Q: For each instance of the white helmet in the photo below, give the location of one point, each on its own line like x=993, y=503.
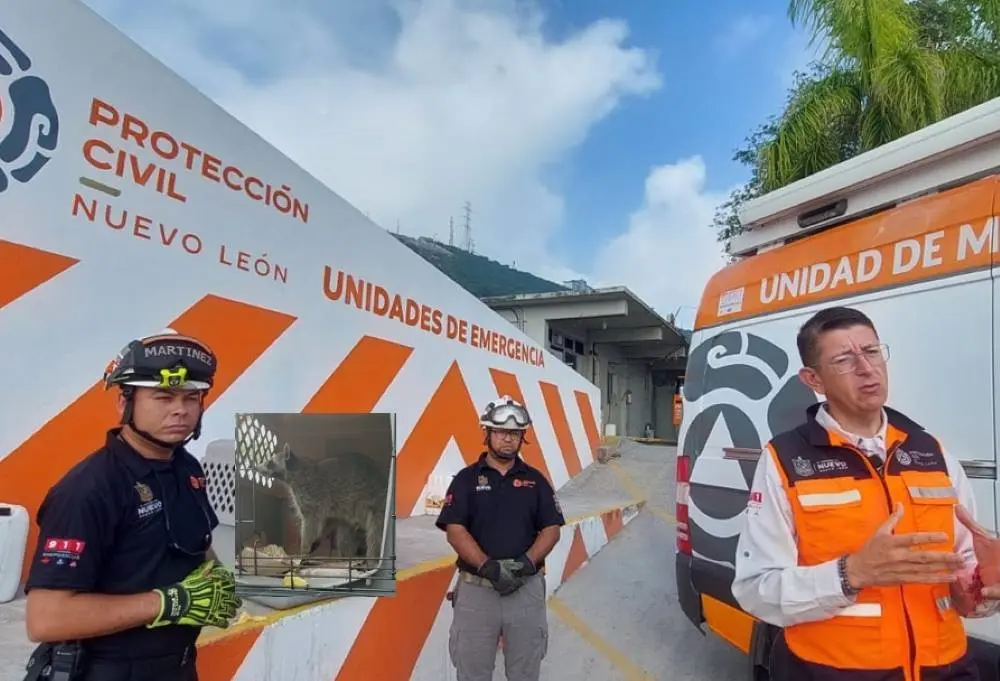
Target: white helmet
x=505, y=413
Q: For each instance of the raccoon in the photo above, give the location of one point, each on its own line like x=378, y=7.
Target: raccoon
x=341, y=497
x=345, y=540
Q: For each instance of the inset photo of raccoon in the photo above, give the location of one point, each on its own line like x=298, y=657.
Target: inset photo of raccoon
x=320, y=485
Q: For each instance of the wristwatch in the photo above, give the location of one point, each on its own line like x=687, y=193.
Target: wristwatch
x=845, y=585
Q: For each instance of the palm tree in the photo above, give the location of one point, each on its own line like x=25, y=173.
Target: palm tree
x=886, y=71
x=966, y=36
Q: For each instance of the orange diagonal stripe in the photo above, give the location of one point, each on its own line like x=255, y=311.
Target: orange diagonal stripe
x=406, y=619
x=221, y=659
x=507, y=384
x=557, y=415
x=612, y=523
x=25, y=268
x=238, y=333
x=362, y=377
x=449, y=413
x=589, y=425
x=577, y=555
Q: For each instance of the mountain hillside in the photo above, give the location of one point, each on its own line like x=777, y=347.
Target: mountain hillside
x=477, y=274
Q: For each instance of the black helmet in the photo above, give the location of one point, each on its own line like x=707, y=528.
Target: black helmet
x=165, y=360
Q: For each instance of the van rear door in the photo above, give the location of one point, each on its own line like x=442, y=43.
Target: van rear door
x=977, y=237
x=984, y=476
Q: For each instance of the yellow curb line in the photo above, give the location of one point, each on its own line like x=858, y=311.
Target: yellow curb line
x=630, y=671
x=633, y=488
x=246, y=621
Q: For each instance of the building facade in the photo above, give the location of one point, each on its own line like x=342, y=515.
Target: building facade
x=633, y=354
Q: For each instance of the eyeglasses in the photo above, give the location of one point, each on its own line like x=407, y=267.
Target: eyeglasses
x=849, y=362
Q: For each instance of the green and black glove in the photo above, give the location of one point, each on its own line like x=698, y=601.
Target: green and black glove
x=503, y=574
x=206, y=597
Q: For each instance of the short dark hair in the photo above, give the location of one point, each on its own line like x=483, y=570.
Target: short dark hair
x=827, y=319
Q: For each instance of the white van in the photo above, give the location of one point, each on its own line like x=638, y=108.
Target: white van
x=908, y=234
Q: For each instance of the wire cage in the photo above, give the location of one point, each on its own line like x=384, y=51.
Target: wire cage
x=268, y=569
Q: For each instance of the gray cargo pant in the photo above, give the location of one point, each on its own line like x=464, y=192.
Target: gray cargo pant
x=481, y=616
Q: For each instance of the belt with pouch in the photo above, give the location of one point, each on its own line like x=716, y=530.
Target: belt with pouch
x=55, y=662
x=68, y=662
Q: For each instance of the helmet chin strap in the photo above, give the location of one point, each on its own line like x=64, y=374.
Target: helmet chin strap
x=128, y=420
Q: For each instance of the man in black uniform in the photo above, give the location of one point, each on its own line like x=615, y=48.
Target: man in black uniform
x=123, y=576
x=502, y=519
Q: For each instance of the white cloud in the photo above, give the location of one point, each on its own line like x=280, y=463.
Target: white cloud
x=668, y=251
x=408, y=109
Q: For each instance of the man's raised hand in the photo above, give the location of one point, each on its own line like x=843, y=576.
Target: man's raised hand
x=889, y=559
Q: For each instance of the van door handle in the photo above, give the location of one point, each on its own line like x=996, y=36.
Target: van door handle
x=741, y=453
x=980, y=469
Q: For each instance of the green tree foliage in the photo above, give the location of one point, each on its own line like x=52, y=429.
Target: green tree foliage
x=888, y=68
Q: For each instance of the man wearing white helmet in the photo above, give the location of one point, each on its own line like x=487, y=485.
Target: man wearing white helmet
x=502, y=518
x=123, y=576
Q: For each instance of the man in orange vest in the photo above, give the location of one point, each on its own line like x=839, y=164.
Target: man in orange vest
x=850, y=542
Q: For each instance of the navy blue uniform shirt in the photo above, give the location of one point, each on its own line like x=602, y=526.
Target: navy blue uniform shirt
x=503, y=513
x=118, y=523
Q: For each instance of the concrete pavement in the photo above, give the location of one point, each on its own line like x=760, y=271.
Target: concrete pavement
x=617, y=618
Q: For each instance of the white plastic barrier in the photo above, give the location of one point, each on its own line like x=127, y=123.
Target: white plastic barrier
x=13, y=542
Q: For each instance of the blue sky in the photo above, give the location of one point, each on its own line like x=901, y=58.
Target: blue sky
x=726, y=69
x=593, y=138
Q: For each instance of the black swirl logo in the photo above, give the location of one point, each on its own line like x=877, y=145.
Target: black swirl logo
x=29, y=123
x=714, y=367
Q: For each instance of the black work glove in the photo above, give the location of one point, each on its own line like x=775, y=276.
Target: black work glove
x=528, y=567
x=502, y=575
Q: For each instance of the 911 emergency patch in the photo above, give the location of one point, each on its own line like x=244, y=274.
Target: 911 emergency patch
x=62, y=551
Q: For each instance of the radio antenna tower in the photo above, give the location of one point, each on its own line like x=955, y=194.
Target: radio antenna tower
x=468, y=227
x=451, y=231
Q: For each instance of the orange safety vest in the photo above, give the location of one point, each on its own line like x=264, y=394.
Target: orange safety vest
x=838, y=500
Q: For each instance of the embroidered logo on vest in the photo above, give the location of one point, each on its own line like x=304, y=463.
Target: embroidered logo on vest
x=803, y=466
